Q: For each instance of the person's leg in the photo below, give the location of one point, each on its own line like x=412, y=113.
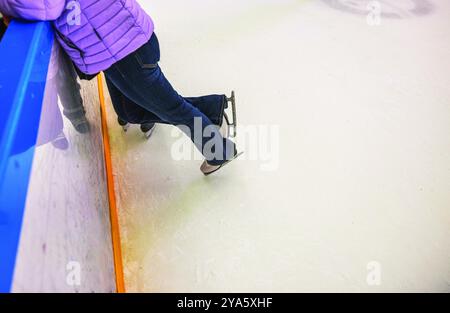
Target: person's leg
x=213, y=106
x=140, y=79
x=121, y=105
x=129, y=112
x=69, y=91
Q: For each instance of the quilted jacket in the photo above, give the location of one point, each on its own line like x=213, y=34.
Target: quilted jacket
x=94, y=33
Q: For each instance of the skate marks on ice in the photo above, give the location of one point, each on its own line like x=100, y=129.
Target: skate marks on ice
x=399, y=9
x=160, y=205
x=163, y=231
x=159, y=236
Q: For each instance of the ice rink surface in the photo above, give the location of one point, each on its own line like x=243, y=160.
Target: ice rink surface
x=349, y=174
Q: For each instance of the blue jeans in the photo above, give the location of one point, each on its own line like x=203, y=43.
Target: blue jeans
x=141, y=94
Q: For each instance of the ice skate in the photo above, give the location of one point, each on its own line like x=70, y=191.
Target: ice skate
x=228, y=128
x=208, y=169
x=148, y=129
x=125, y=125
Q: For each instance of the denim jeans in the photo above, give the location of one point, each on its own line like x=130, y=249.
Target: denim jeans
x=141, y=94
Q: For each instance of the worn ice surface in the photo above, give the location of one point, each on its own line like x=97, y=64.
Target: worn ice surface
x=363, y=114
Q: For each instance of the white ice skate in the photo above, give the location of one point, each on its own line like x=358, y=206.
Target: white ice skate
x=125, y=125
x=208, y=169
x=148, y=129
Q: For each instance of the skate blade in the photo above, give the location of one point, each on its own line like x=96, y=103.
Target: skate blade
x=224, y=164
x=225, y=128
x=232, y=125
x=148, y=134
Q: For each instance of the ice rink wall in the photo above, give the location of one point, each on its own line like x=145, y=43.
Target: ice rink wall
x=55, y=230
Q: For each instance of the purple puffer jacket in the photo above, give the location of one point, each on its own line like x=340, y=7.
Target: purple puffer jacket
x=94, y=33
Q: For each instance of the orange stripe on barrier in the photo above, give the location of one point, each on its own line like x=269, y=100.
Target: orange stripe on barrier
x=115, y=230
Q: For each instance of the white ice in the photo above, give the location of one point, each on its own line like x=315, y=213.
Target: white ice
x=358, y=180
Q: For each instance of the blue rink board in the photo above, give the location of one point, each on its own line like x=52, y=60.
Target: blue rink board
x=25, y=52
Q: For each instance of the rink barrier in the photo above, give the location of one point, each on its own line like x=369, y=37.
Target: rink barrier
x=25, y=52
x=114, y=217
